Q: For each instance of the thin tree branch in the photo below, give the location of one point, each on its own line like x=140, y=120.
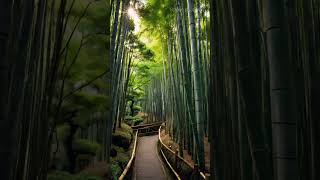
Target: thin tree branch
x=68, y=15
x=75, y=27
x=85, y=85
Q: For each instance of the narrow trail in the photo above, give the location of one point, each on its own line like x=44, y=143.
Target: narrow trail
x=148, y=164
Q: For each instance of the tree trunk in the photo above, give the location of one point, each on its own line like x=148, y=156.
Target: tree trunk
x=114, y=34
x=284, y=120
x=197, y=85
x=249, y=78
x=5, y=124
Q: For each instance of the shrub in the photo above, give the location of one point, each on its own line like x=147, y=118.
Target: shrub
x=121, y=139
x=137, y=120
x=122, y=159
x=86, y=146
x=125, y=127
x=115, y=170
x=128, y=119
x=137, y=108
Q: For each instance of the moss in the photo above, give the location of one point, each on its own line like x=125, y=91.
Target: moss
x=122, y=139
x=137, y=120
x=118, y=149
x=124, y=134
x=125, y=127
x=86, y=146
x=122, y=159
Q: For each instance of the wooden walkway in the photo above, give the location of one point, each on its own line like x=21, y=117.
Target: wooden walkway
x=148, y=164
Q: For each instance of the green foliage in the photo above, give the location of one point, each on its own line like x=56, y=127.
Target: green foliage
x=119, y=162
x=122, y=139
x=86, y=146
x=122, y=159
x=158, y=14
x=128, y=119
x=123, y=134
x=136, y=119
x=84, y=59
x=63, y=131
x=125, y=127
x=90, y=102
x=140, y=49
x=115, y=170
x=137, y=107
x=86, y=105
x=101, y=85
x=118, y=149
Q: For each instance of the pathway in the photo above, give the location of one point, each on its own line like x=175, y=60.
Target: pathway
x=148, y=164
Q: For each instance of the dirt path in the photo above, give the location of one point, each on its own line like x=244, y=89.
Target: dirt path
x=148, y=164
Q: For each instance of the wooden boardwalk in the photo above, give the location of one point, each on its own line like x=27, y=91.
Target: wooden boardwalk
x=148, y=164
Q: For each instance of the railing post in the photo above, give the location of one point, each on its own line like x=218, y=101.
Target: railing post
x=196, y=172
x=176, y=159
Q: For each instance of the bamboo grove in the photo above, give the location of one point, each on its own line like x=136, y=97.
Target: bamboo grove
x=265, y=89
x=241, y=75
x=29, y=63
x=42, y=44
x=120, y=59
x=247, y=76
x=180, y=94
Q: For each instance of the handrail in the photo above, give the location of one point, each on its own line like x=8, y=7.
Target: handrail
x=147, y=133
x=165, y=158
x=190, y=165
x=125, y=171
x=146, y=125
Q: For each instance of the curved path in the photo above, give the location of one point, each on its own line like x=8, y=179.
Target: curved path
x=148, y=164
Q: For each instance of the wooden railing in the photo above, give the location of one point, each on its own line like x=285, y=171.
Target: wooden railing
x=146, y=125
x=177, y=158
x=138, y=128
x=165, y=158
x=133, y=156
x=125, y=173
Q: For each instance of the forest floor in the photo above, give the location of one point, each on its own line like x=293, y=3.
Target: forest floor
x=166, y=139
